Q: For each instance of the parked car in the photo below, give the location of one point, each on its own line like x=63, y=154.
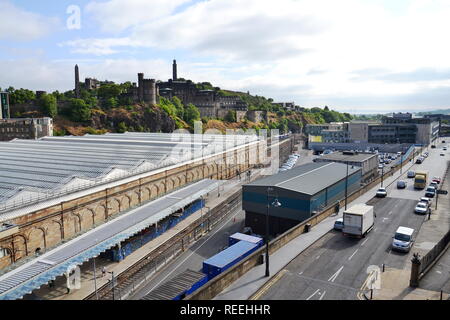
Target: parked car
x=430, y=192
x=411, y=174
x=401, y=184
x=433, y=147
x=422, y=208
x=436, y=179
x=442, y=154
x=381, y=193
x=426, y=200
x=380, y=166
x=339, y=224
x=434, y=185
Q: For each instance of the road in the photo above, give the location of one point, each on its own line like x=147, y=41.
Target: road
x=335, y=267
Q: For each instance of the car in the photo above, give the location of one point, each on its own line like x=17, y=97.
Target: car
x=426, y=200
x=387, y=161
x=419, y=160
x=433, y=147
x=402, y=240
x=436, y=179
x=442, y=154
x=426, y=154
x=399, y=153
x=380, y=166
x=339, y=224
x=422, y=208
x=401, y=184
x=434, y=185
x=381, y=193
x=444, y=148
x=411, y=174
x=430, y=192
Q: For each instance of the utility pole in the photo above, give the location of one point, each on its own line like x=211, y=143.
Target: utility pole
x=382, y=175
x=346, y=187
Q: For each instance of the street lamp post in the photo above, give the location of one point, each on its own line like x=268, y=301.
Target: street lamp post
x=346, y=187
x=276, y=204
x=382, y=176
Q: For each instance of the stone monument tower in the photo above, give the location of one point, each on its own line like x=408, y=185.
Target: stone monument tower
x=77, y=82
x=175, y=71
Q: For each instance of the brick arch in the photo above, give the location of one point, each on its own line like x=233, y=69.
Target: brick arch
x=146, y=194
x=54, y=233
x=9, y=254
x=169, y=184
x=154, y=191
x=212, y=170
x=37, y=240
x=114, y=206
x=135, y=196
x=100, y=214
x=20, y=246
x=199, y=172
x=126, y=202
x=76, y=223
x=87, y=216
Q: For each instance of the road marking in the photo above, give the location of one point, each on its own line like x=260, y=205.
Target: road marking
x=353, y=255
x=328, y=283
x=365, y=241
x=318, y=290
x=318, y=257
x=268, y=285
x=384, y=219
x=334, y=276
x=301, y=273
x=390, y=213
x=374, y=229
x=323, y=294
x=439, y=272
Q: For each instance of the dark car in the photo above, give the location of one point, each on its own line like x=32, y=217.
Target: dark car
x=411, y=174
x=430, y=192
x=401, y=184
x=433, y=147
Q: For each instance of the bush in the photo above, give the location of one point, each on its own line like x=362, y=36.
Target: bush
x=48, y=105
x=80, y=111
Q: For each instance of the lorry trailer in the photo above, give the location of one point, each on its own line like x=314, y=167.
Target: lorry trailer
x=358, y=220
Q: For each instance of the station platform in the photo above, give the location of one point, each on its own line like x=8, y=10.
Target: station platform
x=49, y=266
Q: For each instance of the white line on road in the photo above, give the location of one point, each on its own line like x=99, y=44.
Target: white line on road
x=323, y=294
x=313, y=294
x=353, y=255
x=390, y=213
x=364, y=242
x=334, y=276
x=318, y=257
x=301, y=273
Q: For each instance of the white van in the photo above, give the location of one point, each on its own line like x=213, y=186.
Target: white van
x=402, y=240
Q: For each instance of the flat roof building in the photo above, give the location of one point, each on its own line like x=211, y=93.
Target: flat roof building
x=302, y=192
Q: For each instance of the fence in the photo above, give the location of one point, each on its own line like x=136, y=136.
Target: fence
x=428, y=260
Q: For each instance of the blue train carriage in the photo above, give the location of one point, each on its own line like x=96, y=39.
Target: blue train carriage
x=235, y=238
x=228, y=258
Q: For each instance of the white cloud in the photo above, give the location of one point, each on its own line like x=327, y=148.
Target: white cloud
x=118, y=15
x=22, y=25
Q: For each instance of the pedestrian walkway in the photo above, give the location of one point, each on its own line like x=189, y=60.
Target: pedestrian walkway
x=252, y=281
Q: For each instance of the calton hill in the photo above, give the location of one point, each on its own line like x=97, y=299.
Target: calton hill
x=108, y=109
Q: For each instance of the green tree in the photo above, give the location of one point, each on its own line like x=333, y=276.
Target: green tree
x=178, y=106
x=191, y=114
x=122, y=127
x=48, y=105
x=80, y=111
x=108, y=91
x=110, y=103
x=231, y=116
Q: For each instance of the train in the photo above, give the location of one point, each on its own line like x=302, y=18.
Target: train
x=240, y=246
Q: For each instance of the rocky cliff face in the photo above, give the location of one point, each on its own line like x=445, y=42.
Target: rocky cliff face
x=139, y=119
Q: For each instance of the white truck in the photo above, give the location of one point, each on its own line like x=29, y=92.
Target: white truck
x=358, y=221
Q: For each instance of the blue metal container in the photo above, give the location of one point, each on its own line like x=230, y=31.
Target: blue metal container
x=228, y=258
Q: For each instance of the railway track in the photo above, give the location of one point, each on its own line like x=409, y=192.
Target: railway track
x=131, y=278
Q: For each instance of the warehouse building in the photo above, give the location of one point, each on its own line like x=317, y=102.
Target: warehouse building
x=367, y=161
x=296, y=195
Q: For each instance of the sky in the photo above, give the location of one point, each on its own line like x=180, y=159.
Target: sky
x=358, y=56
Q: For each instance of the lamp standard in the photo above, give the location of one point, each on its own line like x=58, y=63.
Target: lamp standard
x=276, y=204
x=382, y=176
x=346, y=187
x=112, y=282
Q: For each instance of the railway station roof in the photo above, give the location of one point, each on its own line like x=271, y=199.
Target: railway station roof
x=32, y=275
x=35, y=169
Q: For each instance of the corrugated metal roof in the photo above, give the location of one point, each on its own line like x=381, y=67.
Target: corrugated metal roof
x=50, y=164
x=339, y=156
x=308, y=179
x=32, y=275
x=230, y=254
x=245, y=237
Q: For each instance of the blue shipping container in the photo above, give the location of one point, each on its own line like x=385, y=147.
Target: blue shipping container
x=235, y=238
x=228, y=258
